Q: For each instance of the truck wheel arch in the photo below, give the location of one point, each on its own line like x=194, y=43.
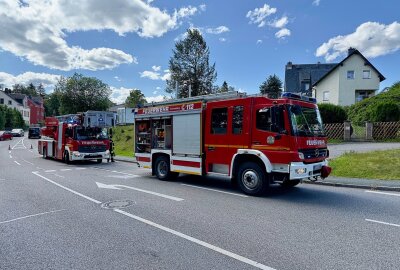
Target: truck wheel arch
x=244, y=155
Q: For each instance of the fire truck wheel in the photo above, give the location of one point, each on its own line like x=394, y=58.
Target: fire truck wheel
x=99, y=160
x=163, y=170
x=251, y=179
x=290, y=183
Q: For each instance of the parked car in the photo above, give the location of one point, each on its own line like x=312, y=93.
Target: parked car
x=17, y=132
x=34, y=132
x=5, y=135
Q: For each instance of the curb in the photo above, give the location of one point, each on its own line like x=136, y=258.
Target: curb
x=332, y=184
x=125, y=160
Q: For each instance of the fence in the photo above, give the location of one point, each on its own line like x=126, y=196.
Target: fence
x=366, y=131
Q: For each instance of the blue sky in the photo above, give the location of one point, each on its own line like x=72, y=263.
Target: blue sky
x=128, y=43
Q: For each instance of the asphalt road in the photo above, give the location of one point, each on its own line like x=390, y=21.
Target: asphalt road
x=116, y=216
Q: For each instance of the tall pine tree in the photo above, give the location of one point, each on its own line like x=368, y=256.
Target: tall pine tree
x=190, y=68
x=271, y=87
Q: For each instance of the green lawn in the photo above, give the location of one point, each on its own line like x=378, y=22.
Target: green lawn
x=123, y=140
x=375, y=165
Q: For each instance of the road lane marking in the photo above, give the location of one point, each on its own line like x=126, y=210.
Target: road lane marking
x=197, y=241
x=381, y=222
x=64, y=170
x=220, y=191
x=97, y=168
x=179, y=234
x=101, y=185
x=68, y=189
x=10, y=156
x=27, y=161
x=44, y=213
x=80, y=168
x=383, y=193
x=17, y=163
x=19, y=145
x=50, y=171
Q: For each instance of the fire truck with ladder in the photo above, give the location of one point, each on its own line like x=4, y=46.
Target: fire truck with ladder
x=81, y=136
x=253, y=140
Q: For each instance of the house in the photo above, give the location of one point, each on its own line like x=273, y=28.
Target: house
x=21, y=106
x=35, y=104
x=344, y=83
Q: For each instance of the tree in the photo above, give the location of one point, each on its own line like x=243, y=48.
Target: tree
x=135, y=98
x=189, y=66
x=80, y=94
x=271, y=87
x=41, y=92
x=52, y=103
x=18, y=120
x=224, y=88
x=2, y=116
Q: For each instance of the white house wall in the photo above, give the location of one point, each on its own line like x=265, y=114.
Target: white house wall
x=348, y=87
x=331, y=84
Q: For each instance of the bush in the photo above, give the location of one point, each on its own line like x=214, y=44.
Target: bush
x=331, y=113
x=384, y=107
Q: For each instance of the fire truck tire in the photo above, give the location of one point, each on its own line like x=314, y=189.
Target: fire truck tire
x=290, y=183
x=66, y=157
x=251, y=179
x=163, y=169
x=99, y=160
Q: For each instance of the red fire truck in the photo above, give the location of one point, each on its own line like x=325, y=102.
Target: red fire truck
x=82, y=136
x=253, y=140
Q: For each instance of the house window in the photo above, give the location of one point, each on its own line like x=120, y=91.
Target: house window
x=325, y=96
x=219, y=121
x=366, y=74
x=363, y=94
x=9, y=102
x=237, y=120
x=350, y=74
x=1, y=100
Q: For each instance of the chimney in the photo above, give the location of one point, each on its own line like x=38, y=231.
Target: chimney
x=289, y=65
x=351, y=50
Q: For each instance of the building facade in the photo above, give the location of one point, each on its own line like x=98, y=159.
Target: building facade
x=35, y=104
x=22, y=106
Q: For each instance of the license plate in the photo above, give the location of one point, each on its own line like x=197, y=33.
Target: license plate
x=317, y=167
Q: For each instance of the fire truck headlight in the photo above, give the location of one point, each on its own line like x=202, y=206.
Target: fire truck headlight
x=301, y=155
x=300, y=171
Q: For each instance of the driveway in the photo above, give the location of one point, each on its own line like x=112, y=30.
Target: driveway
x=336, y=150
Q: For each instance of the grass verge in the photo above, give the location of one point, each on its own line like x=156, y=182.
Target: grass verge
x=123, y=140
x=373, y=165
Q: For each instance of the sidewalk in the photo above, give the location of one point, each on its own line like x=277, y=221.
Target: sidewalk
x=373, y=184
x=125, y=159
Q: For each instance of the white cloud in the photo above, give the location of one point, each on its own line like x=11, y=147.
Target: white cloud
x=283, y=33
x=218, y=30
x=155, y=74
x=259, y=41
x=316, y=2
x=203, y=7
x=155, y=98
x=117, y=78
x=155, y=92
x=258, y=15
x=48, y=80
x=281, y=23
x=37, y=30
x=158, y=88
x=372, y=39
x=119, y=95
x=222, y=39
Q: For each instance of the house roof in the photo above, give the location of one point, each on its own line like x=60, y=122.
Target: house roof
x=352, y=52
x=296, y=73
x=17, y=97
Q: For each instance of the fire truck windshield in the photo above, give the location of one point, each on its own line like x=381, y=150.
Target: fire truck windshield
x=90, y=133
x=306, y=121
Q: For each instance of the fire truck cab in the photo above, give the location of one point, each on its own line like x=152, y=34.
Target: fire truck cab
x=253, y=140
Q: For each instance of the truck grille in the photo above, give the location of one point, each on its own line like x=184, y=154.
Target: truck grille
x=315, y=153
x=91, y=148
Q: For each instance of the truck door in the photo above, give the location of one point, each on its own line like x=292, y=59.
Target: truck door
x=216, y=144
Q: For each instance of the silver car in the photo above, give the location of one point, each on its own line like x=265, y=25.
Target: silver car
x=17, y=132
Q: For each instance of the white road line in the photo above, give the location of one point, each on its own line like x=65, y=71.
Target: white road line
x=50, y=171
x=383, y=193
x=80, y=168
x=179, y=234
x=10, y=156
x=68, y=189
x=9, y=152
x=17, y=163
x=381, y=222
x=27, y=161
x=64, y=170
x=230, y=193
x=44, y=213
x=197, y=241
x=97, y=168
